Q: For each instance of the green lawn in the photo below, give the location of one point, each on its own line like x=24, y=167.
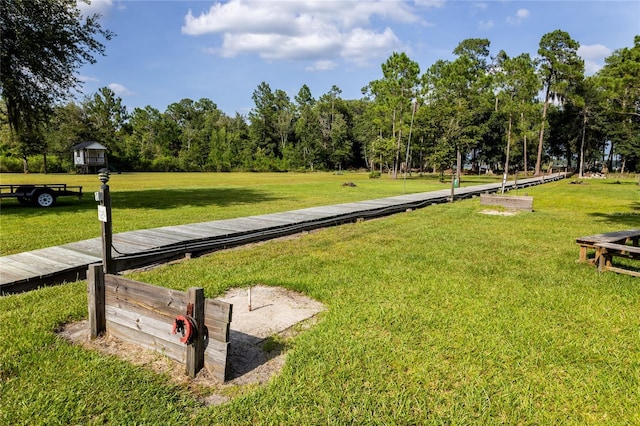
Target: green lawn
x=438, y=316
x=150, y=200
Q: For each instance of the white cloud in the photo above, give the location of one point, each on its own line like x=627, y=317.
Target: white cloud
x=521, y=14
x=485, y=25
x=322, y=66
x=87, y=79
x=593, y=56
x=96, y=6
x=430, y=3
x=360, y=45
x=120, y=90
x=319, y=31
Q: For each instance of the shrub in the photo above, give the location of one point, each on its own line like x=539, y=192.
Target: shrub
x=9, y=164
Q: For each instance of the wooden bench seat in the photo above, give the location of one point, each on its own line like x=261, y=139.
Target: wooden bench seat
x=607, y=251
x=619, y=237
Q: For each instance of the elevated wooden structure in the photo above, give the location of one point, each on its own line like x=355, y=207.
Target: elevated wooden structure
x=624, y=244
x=133, y=249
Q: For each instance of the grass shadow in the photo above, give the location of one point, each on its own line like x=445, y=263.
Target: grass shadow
x=626, y=219
x=161, y=199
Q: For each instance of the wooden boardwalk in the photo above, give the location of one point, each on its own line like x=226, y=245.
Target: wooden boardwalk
x=69, y=262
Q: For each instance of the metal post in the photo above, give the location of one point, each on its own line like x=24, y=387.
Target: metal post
x=107, y=230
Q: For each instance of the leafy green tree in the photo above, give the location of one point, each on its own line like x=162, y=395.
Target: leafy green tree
x=67, y=126
x=336, y=138
x=588, y=103
x=458, y=94
x=240, y=143
x=284, y=115
x=150, y=136
x=107, y=118
x=517, y=86
x=395, y=94
x=197, y=122
x=560, y=70
x=263, y=119
x=43, y=44
x=307, y=129
x=363, y=130
x=621, y=79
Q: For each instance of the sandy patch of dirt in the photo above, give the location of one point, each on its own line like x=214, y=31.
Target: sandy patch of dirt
x=498, y=212
x=257, y=349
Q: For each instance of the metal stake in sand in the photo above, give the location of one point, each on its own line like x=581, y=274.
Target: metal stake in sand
x=249, y=296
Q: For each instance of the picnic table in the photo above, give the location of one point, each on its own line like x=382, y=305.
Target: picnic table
x=607, y=246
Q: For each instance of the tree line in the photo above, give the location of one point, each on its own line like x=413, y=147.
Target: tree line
x=477, y=112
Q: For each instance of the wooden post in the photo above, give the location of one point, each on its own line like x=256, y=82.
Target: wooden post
x=603, y=262
x=96, y=295
x=195, y=351
x=249, y=296
x=107, y=228
x=453, y=184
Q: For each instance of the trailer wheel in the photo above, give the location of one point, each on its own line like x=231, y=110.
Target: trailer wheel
x=45, y=198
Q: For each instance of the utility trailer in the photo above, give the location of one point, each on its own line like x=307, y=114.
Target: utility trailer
x=41, y=195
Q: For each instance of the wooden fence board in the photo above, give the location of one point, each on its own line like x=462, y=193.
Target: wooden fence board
x=146, y=295
x=158, y=312
x=144, y=314
x=218, y=310
x=158, y=329
x=217, y=330
x=136, y=295
x=146, y=341
x=215, y=359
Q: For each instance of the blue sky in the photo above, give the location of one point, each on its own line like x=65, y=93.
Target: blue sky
x=167, y=50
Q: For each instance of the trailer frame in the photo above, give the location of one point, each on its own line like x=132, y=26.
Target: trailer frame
x=40, y=195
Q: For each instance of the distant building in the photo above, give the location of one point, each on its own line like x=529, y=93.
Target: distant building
x=89, y=156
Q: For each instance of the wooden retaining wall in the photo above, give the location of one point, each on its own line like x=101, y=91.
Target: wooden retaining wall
x=514, y=202
x=144, y=314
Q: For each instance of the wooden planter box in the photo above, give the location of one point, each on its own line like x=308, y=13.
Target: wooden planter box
x=512, y=202
x=144, y=314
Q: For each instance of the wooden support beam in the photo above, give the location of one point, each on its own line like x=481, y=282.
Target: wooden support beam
x=195, y=351
x=96, y=296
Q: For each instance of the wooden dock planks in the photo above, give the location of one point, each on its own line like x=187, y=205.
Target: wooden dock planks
x=54, y=264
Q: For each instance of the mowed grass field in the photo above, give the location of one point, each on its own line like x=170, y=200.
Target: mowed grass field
x=150, y=200
x=441, y=315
